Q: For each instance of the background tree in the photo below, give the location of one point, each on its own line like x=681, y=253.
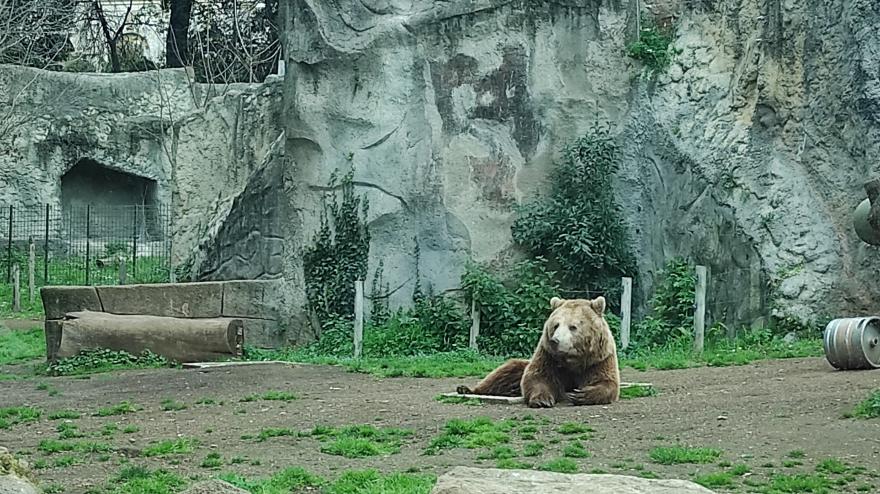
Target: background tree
x=177, y=41
x=36, y=32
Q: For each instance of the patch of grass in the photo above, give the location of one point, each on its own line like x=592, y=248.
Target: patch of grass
x=796, y=454
x=284, y=482
x=360, y=441
x=474, y=433
x=51, y=446
x=717, y=479
x=560, y=465
x=170, y=405
x=10, y=416
x=53, y=489
x=573, y=428
x=797, y=483
x=533, y=449
x=22, y=345
x=95, y=361
x=271, y=396
x=464, y=363
x=109, y=430
x=213, y=460
x=637, y=392
x=831, y=465
x=122, y=408
x=208, y=401
x=869, y=408
x=140, y=480
x=575, y=450
x=64, y=415
x=498, y=453
x=459, y=400
x=740, y=470
x=678, y=454
x=373, y=482
x=130, y=429
x=274, y=432
x=791, y=463
x=68, y=431
x=179, y=446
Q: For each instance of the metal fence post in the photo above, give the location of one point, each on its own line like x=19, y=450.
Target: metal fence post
x=134, y=237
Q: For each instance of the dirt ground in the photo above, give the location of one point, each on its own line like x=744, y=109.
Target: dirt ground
x=756, y=414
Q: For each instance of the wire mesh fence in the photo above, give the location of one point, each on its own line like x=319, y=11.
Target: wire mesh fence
x=86, y=244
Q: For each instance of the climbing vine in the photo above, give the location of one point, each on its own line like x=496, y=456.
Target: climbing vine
x=578, y=225
x=338, y=254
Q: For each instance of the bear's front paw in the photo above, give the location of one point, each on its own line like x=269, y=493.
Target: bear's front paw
x=575, y=395
x=463, y=390
x=542, y=402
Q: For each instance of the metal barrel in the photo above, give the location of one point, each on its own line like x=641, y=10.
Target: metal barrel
x=853, y=343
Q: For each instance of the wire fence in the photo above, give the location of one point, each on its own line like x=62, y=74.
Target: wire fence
x=86, y=244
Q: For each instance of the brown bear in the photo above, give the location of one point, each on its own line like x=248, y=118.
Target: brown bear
x=575, y=360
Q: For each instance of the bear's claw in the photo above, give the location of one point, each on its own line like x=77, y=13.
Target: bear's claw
x=463, y=390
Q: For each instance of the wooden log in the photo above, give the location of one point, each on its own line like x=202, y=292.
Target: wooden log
x=177, y=339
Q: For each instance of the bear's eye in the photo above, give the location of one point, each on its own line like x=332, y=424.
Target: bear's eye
x=556, y=326
x=572, y=328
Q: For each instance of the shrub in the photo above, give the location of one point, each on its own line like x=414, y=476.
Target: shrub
x=654, y=47
x=672, y=307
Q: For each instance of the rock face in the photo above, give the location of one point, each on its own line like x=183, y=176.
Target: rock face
x=466, y=480
x=747, y=155
x=214, y=487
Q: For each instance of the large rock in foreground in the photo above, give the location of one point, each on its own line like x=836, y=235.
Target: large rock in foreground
x=466, y=480
x=13, y=475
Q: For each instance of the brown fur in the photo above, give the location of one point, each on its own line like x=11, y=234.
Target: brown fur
x=584, y=374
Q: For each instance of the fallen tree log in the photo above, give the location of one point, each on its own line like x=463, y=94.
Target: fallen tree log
x=176, y=339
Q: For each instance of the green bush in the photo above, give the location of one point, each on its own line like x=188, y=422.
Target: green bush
x=654, y=47
x=513, y=310
x=577, y=226
x=672, y=307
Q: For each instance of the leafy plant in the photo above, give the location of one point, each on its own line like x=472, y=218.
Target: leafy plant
x=578, y=225
x=513, y=310
x=338, y=254
x=103, y=360
x=672, y=307
x=653, y=47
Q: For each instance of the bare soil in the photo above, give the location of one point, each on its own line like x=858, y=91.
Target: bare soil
x=756, y=414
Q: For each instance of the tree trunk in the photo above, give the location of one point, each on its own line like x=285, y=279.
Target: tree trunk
x=176, y=41
x=115, y=65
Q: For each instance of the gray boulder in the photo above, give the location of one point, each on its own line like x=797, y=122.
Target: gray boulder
x=14, y=475
x=466, y=480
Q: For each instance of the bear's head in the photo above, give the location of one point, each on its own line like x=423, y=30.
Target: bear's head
x=577, y=329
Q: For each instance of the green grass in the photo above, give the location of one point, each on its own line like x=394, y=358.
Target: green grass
x=65, y=461
x=459, y=400
x=130, y=429
x=560, y=465
x=511, y=464
x=352, y=482
x=109, y=430
x=64, y=415
x=28, y=310
x=360, y=441
x=533, y=449
x=122, y=408
x=95, y=361
x=575, y=450
x=18, y=415
x=140, y=480
x=796, y=454
x=180, y=446
x=569, y=428
x=170, y=405
x=51, y=446
x=717, y=479
x=475, y=433
x=270, y=396
x=869, y=408
x=637, y=392
x=274, y=432
x=68, y=431
x=498, y=453
x=678, y=455
x=797, y=483
x=740, y=470
x=22, y=346
x=832, y=465
x=212, y=461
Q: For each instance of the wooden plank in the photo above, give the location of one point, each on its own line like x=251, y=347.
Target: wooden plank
x=32, y=266
x=507, y=400
x=475, y=324
x=210, y=365
x=16, y=288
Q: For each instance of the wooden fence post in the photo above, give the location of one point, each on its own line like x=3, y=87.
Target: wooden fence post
x=121, y=270
x=625, y=312
x=358, y=318
x=16, y=288
x=475, y=324
x=32, y=266
x=700, y=310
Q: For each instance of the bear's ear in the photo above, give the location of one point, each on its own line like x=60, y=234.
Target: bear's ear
x=598, y=305
x=556, y=302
